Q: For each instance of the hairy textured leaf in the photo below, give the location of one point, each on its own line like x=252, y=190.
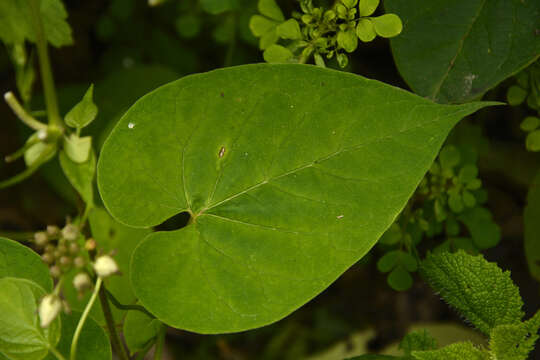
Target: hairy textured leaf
x=478, y=289
x=139, y=330
x=531, y=218
x=19, y=261
x=417, y=340
x=377, y=357
x=456, y=50
x=93, y=342
x=515, y=342
x=291, y=174
x=21, y=336
x=16, y=22
x=457, y=351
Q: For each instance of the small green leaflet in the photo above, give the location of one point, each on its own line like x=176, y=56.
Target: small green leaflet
x=291, y=174
x=16, y=22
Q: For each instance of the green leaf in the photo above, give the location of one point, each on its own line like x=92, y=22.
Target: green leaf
x=347, y=40
x=387, y=25
x=457, y=351
x=349, y=3
x=84, y=112
x=16, y=24
x=93, y=341
x=21, y=336
x=19, y=261
x=532, y=142
x=417, y=341
x=111, y=236
x=188, y=25
x=445, y=52
x=368, y=7
x=530, y=123
x=260, y=25
x=289, y=30
x=140, y=330
x=365, y=30
x=80, y=175
x=268, y=39
x=400, y=279
x=516, y=95
x=77, y=148
x=484, y=231
x=216, y=7
x=287, y=185
x=270, y=9
x=277, y=54
x=531, y=219
x=468, y=173
x=514, y=342
x=455, y=202
x=449, y=157
x=478, y=289
x=388, y=261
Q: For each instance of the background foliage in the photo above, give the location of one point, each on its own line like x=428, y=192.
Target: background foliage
x=473, y=198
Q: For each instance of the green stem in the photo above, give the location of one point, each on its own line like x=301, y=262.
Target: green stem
x=45, y=66
x=26, y=118
x=121, y=306
x=82, y=320
x=160, y=342
x=57, y=354
x=116, y=342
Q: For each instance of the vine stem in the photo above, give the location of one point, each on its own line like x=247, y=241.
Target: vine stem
x=83, y=318
x=57, y=354
x=26, y=118
x=113, y=334
x=47, y=80
x=160, y=342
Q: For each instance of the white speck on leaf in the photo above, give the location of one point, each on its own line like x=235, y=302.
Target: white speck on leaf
x=467, y=86
x=340, y=216
x=221, y=151
x=131, y=125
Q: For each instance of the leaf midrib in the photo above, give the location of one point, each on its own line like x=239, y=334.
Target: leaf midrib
x=437, y=90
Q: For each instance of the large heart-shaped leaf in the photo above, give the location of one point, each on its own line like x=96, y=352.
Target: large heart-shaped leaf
x=456, y=50
x=21, y=336
x=19, y=261
x=290, y=173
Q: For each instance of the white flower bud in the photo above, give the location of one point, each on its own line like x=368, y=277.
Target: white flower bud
x=52, y=230
x=82, y=282
x=49, y=308
x=105, y=266
x=70, y=232
x=41, y=238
